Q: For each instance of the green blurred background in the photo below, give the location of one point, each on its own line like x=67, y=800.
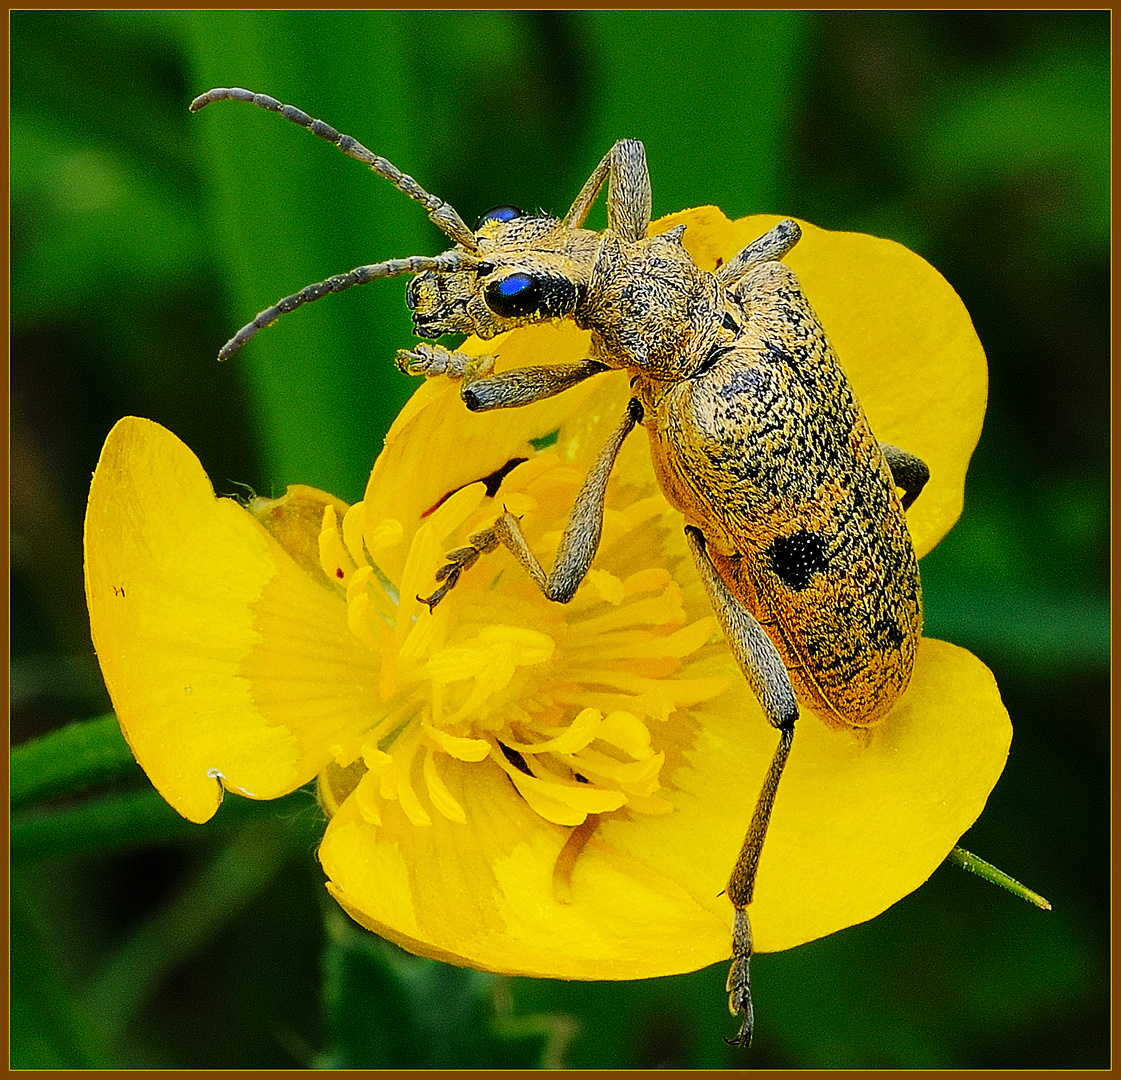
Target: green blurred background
x=142, y=237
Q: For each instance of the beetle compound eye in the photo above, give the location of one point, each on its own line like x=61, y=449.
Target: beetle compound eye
x=520, y=295
x=499, y=213
x=514, y=296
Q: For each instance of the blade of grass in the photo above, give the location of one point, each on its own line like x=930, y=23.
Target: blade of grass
x=49, y=1027
x=287, y=209
x=695, y=159
x=74, y=758
x=114, y=822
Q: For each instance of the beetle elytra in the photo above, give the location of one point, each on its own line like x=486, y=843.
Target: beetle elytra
x=791, y=508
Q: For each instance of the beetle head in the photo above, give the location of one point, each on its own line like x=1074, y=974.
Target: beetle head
x=529, y=268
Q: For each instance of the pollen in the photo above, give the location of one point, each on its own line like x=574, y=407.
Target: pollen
x=563, y=702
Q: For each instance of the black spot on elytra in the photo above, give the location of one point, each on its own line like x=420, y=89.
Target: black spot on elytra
x=796, y=558
x=747, y=381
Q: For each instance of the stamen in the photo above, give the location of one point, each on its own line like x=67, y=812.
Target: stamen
x=357, y=615
x=438, y=792
x=560, y=802
x=333, y=555
x=456, y=746
x=578, y=735
x=566, y=860
x=562, y=706
x=353, y=523
x=425, y=553
x=628, y=733
x=662, y=610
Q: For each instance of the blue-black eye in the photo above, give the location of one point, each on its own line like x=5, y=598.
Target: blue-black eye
x=514, y=296
x=499, y=213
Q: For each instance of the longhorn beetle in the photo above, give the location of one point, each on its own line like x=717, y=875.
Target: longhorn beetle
x=791, y=509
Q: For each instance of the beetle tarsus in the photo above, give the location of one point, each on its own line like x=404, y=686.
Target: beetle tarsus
x=739, y=980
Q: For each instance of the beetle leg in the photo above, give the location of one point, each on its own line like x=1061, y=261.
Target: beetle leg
x=770, y=247
x=578, y=543
x=909, y=472
x=580, y=538
x=483, y=391
x=523, y=386
x=752, y=647
x=460, y=559
x=433, y=360
x=768, y=678
x=628, y=192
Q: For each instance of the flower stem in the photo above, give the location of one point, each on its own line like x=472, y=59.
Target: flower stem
x=968, y=861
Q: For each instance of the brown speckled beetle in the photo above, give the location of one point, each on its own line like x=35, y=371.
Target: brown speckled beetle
x=791, y=506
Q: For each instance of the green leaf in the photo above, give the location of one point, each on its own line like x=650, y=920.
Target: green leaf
x=117, y=821
x=968, y=861
x=74, y=758
x=83, y=756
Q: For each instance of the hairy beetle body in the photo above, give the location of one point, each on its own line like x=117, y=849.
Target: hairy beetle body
x=769, y=454
x=790, y=505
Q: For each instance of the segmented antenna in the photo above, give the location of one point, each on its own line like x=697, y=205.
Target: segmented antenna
x=441, y=214
x=360, y=275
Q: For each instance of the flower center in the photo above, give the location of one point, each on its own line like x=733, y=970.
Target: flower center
x=565, y=700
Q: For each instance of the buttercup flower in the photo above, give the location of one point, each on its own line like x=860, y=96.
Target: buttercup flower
x=517, y=785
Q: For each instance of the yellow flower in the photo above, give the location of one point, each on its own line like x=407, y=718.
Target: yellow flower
x=522, y=786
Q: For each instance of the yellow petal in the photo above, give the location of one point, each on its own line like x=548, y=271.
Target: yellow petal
x=855, y=827
x=227, y=662
x=482, y=893
x=296, y=521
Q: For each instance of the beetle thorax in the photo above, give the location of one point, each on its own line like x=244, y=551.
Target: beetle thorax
x=649, y=306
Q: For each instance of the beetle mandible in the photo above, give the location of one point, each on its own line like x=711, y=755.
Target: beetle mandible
x=791, y=508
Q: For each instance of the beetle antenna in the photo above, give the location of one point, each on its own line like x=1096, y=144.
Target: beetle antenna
x=449, y=261
x=441, y=214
